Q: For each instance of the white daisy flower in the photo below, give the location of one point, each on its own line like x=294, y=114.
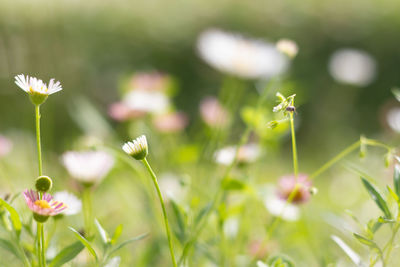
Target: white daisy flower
x=74, y=204
x=36, y=88
x=137, y=148
x=351, y=66
x=246, y=58
x=88, y=166
x=287, y=47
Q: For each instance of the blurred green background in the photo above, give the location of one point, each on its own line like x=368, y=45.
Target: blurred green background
x=89, y=45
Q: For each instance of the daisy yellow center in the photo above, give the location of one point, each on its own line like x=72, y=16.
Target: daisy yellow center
x=43, y=204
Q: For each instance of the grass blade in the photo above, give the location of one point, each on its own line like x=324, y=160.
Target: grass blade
x=85, y=242
x=67, y=254
x=376, y=196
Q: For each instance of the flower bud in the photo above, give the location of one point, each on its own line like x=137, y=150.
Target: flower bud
x=138, y=148
x=43, y=183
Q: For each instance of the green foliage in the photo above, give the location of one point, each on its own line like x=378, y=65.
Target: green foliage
x=67, y=254
x=16, y=221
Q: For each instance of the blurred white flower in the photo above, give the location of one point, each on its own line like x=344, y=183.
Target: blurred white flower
x=234, y=54
x=393, y=119
x=287, y=47
x=261, y=264
x=74, y=203
x=231, y=227
x=5, y=146
x=353, y=67
x=278, y=207
x=88, y=166
x=146, y=101
x=247, y=153
x=213, y=113
x=113, y=262
x=171, y=187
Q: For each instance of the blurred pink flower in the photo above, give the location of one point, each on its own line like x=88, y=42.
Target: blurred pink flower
x=119, y=111
x=170, y=122
x=287, y=184
x=151, y=81
x=45, y=206
x=5, y=146
x=213, y=113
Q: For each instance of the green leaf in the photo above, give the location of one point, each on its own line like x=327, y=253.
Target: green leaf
x=103, y=234
x=7, y=245
x=376, y=196
x=393, y=194
x=180, y=218
x=396, y=179
x=348, y=250
x=365, y=241
x=201, y=214
x=126, y=242
x=85, y=242
x=117, y=234
x=67, y=254
x=280, y=261
x=16, y=221
x=233, y=184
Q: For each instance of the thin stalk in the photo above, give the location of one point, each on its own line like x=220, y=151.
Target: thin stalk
x=389, y=245
x=154, y=178
x=87, y=210
x=348, y=150
x=39, y=149
x=335, y=159
x=294, y=148
x=42, y=243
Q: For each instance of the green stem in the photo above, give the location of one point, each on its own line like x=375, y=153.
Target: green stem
x=154, y=178
x=294, y=148
x=335, y=159
x=39, y=149
x=389, y=245
x=40, y=245
x=87, y=210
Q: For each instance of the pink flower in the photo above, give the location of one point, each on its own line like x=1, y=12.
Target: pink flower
x=45, y=206
x=213, y=113
x=170, y=122
x=152, y=81
x=119, y=111
x=287, y=184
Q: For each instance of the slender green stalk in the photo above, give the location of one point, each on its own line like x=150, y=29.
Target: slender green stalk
x=389, y=245
x=167, y=229
x=40, y=245
x=335, y=159
x=294, y=148
x=87, y=210
x=39, y=149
